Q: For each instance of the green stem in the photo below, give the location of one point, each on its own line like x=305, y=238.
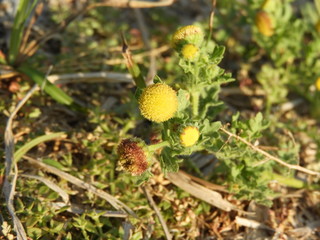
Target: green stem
x=156, y=146
x=195, y=103
x=137, y=76
x=291, y=182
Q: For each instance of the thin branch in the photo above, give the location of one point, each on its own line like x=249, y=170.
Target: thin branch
x=91, y=77
x=146, y=39
x=158, y=213
x=12, y=175
x=213, y=4
x=291, y=166
x=117, y=204
x=132, y=4
x=63, y=194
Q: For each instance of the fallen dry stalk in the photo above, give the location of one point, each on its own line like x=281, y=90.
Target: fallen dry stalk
x=158, y=213
x=117, y=204
x=91, y=77
x=214, y=198
x=131, y=4
x=11, y=168
x=291, y=166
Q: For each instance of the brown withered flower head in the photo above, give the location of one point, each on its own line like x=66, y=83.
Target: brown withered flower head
x=133, y=156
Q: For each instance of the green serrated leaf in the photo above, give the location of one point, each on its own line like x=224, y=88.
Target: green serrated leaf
x=167, y=162
x=183, y=100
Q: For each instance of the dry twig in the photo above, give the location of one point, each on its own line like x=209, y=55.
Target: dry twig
x=92, y=77
x=117, y=204
x=291, y=166
x=213, y=4
x=11, y=176
x=158, y=213
x=214, y=198
x=252, y=224
x=131, y=4
x=51, y=185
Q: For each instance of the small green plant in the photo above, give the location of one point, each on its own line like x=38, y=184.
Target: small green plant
x=188, y=119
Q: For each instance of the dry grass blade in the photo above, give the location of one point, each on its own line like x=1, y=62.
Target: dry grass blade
x=291, y=166
x=208, y=184
x=304, y=232
x=187, y=184
x=9, y=186
x=213, y=4
x=51, y=185
x=127, y=226
x=140, y=56
x=92, y=77
x=27, y=32
x=158, y=213
x=117, y=204
x=34, y=45
x=252, y=224
x=132, y=4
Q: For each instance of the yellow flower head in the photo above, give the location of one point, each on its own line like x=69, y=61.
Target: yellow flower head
x=190, y=52
x=187, y=35
x=189, y=136
x=264, y=23
x=133, y=157
x=318, y=84
x=158, y=102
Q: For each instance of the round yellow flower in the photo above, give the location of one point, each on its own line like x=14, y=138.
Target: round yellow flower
x=187, y=35
x=318, y=84
x=158, y=102
x=264, y=23
x=189, y=136
x=190, y=52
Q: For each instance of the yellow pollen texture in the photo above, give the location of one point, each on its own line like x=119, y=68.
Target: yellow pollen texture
x=158, y=102
x=189, y=136
x=189, y=51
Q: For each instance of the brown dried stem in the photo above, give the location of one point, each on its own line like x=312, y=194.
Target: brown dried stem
x=268, y=155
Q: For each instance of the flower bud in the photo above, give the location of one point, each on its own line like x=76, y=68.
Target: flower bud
x=187, y=35
x=133, y=156
x=189, y=136
x=318, y=84
x=158, y=102
x=269, y=5
x=264, y=24
x=190, y=52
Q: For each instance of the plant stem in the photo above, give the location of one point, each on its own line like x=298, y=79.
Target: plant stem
x=195, y=103
x=156, y=146
x=292, y=182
